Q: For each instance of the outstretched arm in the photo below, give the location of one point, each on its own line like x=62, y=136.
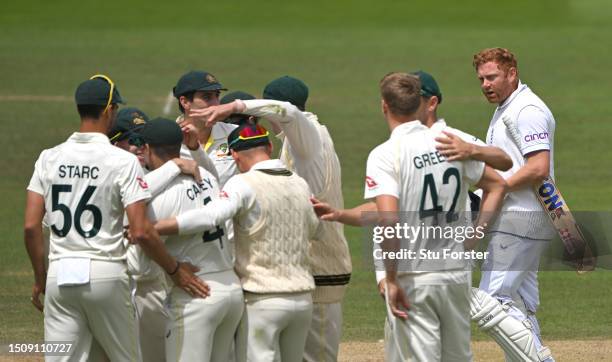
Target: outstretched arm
x=453, y=148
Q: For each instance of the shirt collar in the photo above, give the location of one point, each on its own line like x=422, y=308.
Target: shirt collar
x=268, y=164
x=88, y=137
x=521, y=87
x=408, y=127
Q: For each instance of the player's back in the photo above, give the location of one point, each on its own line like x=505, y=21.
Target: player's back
x=209, y=250
x=429, y=183
x=86, y=182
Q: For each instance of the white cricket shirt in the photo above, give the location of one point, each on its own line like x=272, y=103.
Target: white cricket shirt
x=87, y=183
x=536, y=126
x=207, y=249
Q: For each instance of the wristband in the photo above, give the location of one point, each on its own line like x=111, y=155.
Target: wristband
x=178, y=264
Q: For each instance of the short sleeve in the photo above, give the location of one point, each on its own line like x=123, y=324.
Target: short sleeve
x=473, y=171
x=381, y=177
x=132, y=185
x=534, y=129
x=36, y=182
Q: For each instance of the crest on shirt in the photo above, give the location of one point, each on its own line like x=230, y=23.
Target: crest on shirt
x=222, y=151
x=370, y=183
x=142, y=183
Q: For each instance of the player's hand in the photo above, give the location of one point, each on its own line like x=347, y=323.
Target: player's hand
x=127, y=235
x=213, y=114
x=324, y=210
x=189, y=167
x=398, y=302
x=37, y=290
x=185, y=279
x=382, y=285
x=190, y=135
x=454, y=148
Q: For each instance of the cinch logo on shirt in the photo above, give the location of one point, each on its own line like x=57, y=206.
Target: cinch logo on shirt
x=536, y=136
x=370, y=183
x=142, y=183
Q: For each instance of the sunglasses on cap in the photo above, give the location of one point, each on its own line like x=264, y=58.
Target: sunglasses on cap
x=133, y=137
x=111, y=88
x=250, y=133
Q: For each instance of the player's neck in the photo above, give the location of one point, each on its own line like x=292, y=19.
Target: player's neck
x=394, y=120
x=91, y=125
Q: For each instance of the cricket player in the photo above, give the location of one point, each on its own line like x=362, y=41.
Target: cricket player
x=197, y=90
x=150, y=293
x=84, y=185
x=408, y=174
x=198, y=329
x=273, y=222
x=308, y=149
x=523, y=231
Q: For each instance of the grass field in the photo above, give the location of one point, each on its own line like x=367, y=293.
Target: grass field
x=341, y=49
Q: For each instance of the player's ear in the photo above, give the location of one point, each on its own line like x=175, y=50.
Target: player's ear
x=185, y=103
x=384, y=106
x=512, y=74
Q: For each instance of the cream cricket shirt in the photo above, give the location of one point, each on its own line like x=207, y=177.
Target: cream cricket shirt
x=87, y=183
x=409, y=167
x=536, y=126
x=308, y=149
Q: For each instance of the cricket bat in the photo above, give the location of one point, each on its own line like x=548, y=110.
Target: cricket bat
x=578, y=250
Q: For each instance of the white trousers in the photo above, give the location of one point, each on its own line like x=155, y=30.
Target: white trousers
x=277, y=326
x=100, y=310
x=438, y=325
x=203, y=329
x=512, y=269
x=325, y=333
x=152, y=318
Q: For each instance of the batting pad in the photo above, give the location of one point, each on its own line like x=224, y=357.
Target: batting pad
x=514, y=337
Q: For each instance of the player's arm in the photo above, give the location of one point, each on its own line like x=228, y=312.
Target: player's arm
x=34, y=242
x=494, y=189
x=143, y=234
x=235, y=196
x=191, y=141
x=536, y=169
x=357, y=216
x=388, y=208
x=453, y=148
x=158, y=179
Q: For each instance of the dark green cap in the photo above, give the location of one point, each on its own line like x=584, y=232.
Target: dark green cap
x=429, y=86
x=236, y=118
x=248, y=136
x=196, y=81
x=162, y=132
x=95, y=92
x=129, y=120
x=287, y=89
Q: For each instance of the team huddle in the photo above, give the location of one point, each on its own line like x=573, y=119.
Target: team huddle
x=186, y=240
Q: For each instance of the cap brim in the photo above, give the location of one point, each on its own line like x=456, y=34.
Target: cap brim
x=211, y=88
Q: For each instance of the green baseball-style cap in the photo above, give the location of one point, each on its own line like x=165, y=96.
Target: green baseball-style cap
x=129, y=121
x=429, y=86
x=196, y=80
x=236, y=118
x=287, y=89
x=248, y=136
x=96, y=91
x=161, y=132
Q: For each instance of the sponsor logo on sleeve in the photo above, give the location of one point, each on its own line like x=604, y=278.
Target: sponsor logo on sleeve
x=142, y=183
x=370, y=183
x=536, y=137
